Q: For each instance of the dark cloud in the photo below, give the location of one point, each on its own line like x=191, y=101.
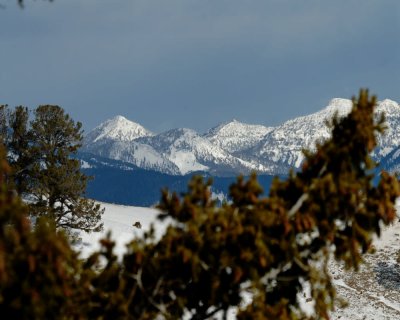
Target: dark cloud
x=196, y=63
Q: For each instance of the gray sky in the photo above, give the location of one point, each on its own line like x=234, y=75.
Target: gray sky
x=196, y=63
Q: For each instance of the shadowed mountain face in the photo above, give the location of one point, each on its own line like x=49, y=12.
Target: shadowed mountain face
x=230, y=148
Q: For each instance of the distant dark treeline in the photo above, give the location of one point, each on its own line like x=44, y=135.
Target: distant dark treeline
x=122, y=183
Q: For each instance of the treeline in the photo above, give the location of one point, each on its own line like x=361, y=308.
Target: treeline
x=123, y=183
x=268, y=248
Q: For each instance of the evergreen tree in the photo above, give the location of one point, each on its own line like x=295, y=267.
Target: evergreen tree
x=40, y=153
x=57, y=184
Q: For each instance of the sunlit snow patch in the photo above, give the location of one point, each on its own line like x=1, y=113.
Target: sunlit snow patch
x=120, y=220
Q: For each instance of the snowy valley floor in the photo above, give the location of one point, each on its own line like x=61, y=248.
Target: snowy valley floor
x=373, y=293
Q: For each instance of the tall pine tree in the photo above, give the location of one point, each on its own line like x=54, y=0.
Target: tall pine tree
x=40, y=153
x=57, y=184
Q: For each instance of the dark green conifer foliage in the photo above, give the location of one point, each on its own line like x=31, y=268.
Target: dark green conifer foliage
x=3, y=123
x=57, y=184
x=18, y=145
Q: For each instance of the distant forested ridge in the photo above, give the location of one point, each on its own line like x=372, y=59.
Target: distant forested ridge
x=124, y=183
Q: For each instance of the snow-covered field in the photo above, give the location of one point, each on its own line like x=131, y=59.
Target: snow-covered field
x=119, y=220
x=373, y=293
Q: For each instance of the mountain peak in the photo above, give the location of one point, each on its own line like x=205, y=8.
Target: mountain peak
x=225, y=126
x=389, y=105
x=119, y=118
x=120, y=121
x=388, y=101
x=339, y=102
x=233, y=136
x=118, y=128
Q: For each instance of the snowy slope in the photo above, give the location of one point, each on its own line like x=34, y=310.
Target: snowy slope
x=142, y=155
x=391, y=137
x=282, y=147
x=177, y=146
x=191, y=152
x=372, y=293
x=235, y=136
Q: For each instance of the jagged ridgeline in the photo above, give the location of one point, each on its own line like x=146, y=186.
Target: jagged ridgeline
x=230, y=148
x=132, y=164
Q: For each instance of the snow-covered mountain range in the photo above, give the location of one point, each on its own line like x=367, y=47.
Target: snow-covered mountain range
x=230, y=148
